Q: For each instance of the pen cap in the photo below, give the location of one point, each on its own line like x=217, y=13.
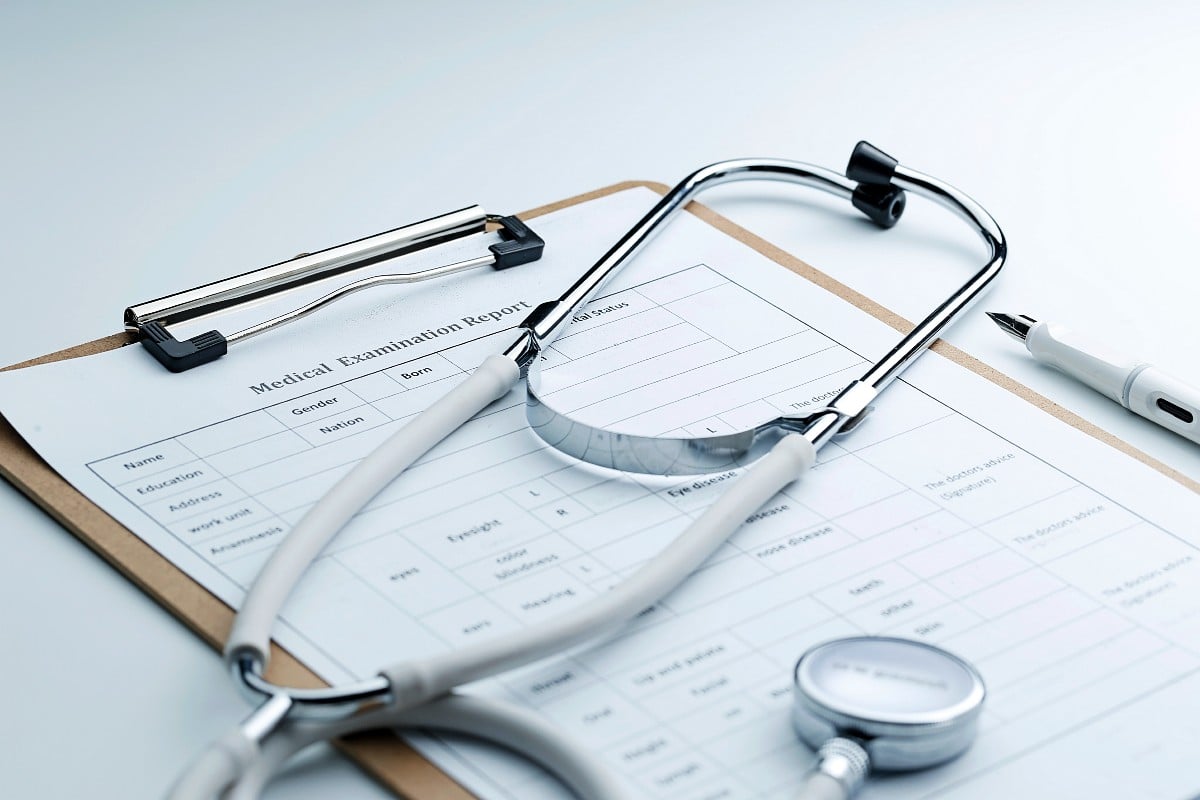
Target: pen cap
x=1084, y=359
x=1168, y=401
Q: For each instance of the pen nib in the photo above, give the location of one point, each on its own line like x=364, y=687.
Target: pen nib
x=1015, y=325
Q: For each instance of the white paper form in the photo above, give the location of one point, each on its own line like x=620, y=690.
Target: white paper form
x=957, y=514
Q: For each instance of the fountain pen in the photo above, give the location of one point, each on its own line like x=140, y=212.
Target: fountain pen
x=1140, y=387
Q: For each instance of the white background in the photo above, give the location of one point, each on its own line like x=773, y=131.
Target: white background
x=150, y=147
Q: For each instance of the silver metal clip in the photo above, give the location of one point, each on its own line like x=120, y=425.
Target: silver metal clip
x=518, y=245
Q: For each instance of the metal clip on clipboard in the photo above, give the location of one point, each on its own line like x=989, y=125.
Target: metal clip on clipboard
x=149, y=320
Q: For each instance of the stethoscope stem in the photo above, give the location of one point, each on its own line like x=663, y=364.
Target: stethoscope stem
x=840, y=770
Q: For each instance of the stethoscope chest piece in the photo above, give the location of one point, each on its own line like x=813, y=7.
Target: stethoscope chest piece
x=891, y=704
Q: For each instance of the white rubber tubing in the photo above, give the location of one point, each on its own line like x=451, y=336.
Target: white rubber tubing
x=221, y=764
x=426, y=679
x=819, y=786
x=511, y=727
x=418, y=681
x=251, y=633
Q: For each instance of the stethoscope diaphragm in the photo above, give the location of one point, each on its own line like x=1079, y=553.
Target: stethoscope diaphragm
x=881, y=703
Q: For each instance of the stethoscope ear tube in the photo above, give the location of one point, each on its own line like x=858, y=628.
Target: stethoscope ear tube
x=251, y=633
x=418, y=688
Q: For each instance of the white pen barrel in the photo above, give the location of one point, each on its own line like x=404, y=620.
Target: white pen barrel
x=1166, y=400
x=1084, y=359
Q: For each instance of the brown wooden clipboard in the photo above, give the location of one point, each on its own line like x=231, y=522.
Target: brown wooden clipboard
x=384, y=756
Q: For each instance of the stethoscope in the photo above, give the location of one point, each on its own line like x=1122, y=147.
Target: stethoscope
x=854, y=723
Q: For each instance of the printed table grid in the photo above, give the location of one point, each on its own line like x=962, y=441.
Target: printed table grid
x=692, y=698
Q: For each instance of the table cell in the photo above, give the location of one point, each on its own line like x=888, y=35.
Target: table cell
x=784, y=620
x=645, y=750
x=318, y=405
x=778, y=519
x=1074, y=673
x=251, y=539
x=902, y=413
x=695, y=493
x=259, y=453
x=937, y=625
x=997, y=634
x=1040, y=652
x=717, y=723
x=621, y=524
x=363, y=628
x=607, y=495
x=736, y=317
x=526, y=559
x=803, y=548
x=1144, y=573
x=829, y=371
x=843, y=486
x=597, y=715
x=423, y=371
x=636, y=329
x=470, y=621
x=194, y=502
x=714, y=686
x=143, y=463
x=687, y=773
x=946, y=555
x=618, y=306
x=230, y=433
x=542, y=595
x=1023, y=587
x=404, y=574
x=727, y=571
x=898, y=607
x=678, y=665
x=588, y=570
x=342, y=425
x=784, y=767
x=374, y=387
x=223, y=519
x=471, y=532
x=181, y=479
x=770, y=732
x=534, y=493
x=679, y=285
x=865, y=587
x=975, y=576
x=887, y=514
x=975, y=475
x=1061, y=524
x=541, y=683
x=562, y=511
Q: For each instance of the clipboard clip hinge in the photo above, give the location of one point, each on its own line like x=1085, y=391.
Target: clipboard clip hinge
x=179, y=356
x=518, y=245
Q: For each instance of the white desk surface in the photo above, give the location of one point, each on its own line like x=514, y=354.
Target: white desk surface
x=148, y=147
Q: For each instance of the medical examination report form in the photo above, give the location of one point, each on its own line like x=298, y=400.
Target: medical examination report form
x=1067, y=572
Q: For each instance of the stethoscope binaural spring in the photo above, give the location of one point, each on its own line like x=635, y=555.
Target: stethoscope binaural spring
x=419, y=692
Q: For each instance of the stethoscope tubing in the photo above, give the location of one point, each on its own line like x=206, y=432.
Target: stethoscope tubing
x=420, y=687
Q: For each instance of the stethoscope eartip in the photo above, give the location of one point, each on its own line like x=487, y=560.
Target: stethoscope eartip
x=869, y=164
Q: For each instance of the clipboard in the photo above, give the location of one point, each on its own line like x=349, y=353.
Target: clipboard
x=383, y=755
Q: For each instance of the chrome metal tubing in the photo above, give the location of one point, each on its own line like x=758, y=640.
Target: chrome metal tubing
x=885, y=370
x=331, y=703
x=305, y=269
x=358, y=286
x=674, y=455
x=547, y=320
